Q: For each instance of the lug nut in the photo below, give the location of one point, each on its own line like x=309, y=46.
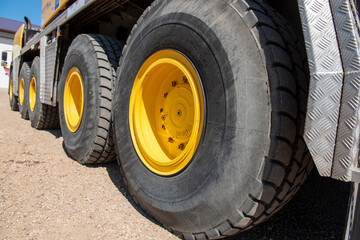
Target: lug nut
x=165, y=95
x=174, y=83
x=161, y=110
x=181, y=146
x=185, y=80
x=163, y=117
x=171, y=140
x=163, y=127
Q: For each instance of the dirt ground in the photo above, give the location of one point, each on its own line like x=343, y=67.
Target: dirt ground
x=46, y=195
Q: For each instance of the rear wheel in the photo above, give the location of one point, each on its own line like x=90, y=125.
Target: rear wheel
x=24, y=81
x=13, y=100
x=85, y=95
x=42, y=116
x=209, y=106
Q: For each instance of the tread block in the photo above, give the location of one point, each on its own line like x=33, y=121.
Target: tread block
x=268, y=194
x=285, y=129
x=294, y=170
x=284, y=191
x=273, y=173
x=226, y=229
x=270, y=36
x=273, y=207
x=252, y=208
x=280, y=151
x=285, y=103
x=240, y=220
x=280, y=57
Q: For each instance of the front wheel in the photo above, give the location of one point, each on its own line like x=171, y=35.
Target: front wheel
x=208, y=115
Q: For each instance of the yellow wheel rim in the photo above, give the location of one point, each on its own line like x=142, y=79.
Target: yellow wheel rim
x=166, y=112
x=11, y=90
x=73, y=99
x=21, y=91
x=32, y=93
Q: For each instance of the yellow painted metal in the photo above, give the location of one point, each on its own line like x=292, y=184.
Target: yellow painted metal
x=32, y=93
x=18, y=41
x=73, y=99
x=21, y=91
x=11, y=90
x=50, y=9
x=166, y=112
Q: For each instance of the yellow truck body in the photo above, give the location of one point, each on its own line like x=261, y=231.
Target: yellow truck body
x=18, y=41
x=50, y=8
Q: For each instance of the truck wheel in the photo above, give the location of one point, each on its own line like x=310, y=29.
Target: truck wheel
x=42, y=116
x=208, y=115
x=24, y=79
x=13, y=100
x=85, y=95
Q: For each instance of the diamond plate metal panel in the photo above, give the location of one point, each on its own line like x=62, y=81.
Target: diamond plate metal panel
x=326, y=76
x=50, y=56
x=16, y=76
x=347, y=144
x=48, y=53
x=42, y=69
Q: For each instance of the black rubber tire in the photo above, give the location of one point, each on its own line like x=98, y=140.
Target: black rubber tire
x=252, y=158
x=97, y=58
x=14, y=100
x=25, y=73
x=44, y=116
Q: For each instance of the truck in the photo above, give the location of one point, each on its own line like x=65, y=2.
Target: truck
x=216, y=111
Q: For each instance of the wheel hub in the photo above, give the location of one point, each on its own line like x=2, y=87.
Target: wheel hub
x=166, y=112
x=73, y=99
x=32, y=93
x=11, y=90
x=21, y=91
x=179, y=113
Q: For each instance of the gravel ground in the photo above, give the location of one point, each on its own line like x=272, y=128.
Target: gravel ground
x=46, y=195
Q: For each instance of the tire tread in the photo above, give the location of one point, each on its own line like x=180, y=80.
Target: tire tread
x=108, y=52
x=280, y=42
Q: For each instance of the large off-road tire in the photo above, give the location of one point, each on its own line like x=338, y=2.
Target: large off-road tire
x=85, y=95
x=41, y=116
x=13, y=100
x=233, y=68
x=24, y=79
